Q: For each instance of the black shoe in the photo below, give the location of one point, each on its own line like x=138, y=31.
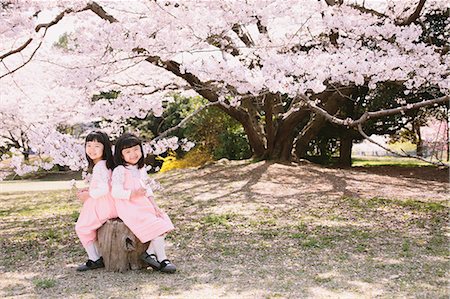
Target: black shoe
x=91, y=265
x=151, y=260
x=167, y=267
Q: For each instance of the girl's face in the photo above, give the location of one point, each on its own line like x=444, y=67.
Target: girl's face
x=132, y=154
x=94, y=150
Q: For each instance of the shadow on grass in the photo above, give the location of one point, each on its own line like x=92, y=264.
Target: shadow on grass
x=247, y=231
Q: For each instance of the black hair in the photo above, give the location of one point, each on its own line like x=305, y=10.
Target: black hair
x=101, y=137
x=125, y=141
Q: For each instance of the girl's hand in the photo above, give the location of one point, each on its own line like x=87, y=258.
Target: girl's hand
x=158, y=212
x=83, y=195
x=139, y=192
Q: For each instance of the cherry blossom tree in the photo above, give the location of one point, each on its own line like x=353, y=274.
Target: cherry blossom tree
x=281, y=68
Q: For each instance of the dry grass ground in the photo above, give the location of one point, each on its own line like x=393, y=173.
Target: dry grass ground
x=251, y=230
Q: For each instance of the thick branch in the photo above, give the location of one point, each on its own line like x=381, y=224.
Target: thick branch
x=16, y=50
x=244, y=36
x=415, y=15
x=174, y=68
x=261, y=28
x=333, y=2
x=99, y=11
x=370, y=115
x=93, y=6
x=204, y=90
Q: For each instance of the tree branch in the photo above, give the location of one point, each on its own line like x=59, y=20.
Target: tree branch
x=370, y=115
x=367, y=10
x=261, y=28
x=243, y=36
x=415, y=15
x=16, y=50
x=184, y=121
x=93, y=6
x=334, y=2
x=99, y=11
x=440, y=163
x=25, y=63
x=230, y=47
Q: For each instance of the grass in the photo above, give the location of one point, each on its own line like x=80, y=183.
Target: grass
x=44, y=283
x=251, y=246
x=387, y=161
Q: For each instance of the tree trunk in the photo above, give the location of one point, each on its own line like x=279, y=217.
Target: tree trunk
x=284, y=137
x=345, y=150
x=120, y=248
x=314, y=125
x=283, y=148
x=419, y=141
x=269, y=125
x=447, y=136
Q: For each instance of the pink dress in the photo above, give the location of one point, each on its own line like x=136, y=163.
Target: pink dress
x=99, y=207
x=137, y=213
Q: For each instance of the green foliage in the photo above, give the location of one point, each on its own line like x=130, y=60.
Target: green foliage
x=174, y=112
x=434, y=25
x=44, y=283
x=108, y=95
x=388, y=161
x=219, y=220
x=63, y=41
x=212, y=130
x=219, y=134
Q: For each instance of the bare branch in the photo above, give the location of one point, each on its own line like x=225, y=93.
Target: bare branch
x=184, y=121
x=168, y=86
x=367, y=10
x=94, y=7
x=405, y=155
x=17, y=50
x=54, y=21
x=26, y=62
x=370, y=115
x=174, y=68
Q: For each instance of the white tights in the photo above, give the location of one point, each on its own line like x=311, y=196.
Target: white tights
x=157, y=247
x=92, y=251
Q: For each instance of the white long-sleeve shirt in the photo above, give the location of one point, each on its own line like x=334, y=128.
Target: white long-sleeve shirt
x=101, y=176
x=118, y=181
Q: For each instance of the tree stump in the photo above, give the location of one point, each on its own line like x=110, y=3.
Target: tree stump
x=120, y=248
